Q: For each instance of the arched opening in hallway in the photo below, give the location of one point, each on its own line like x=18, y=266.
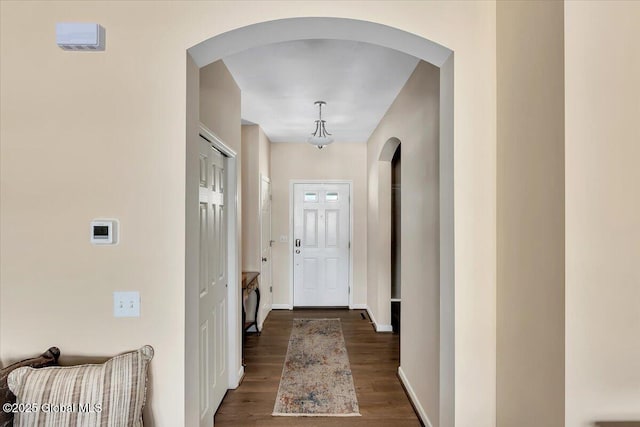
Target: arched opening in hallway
x=436, y=396
x=396, y=239
x=390, y=179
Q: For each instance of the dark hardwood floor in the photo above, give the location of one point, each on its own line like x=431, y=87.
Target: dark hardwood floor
x=374, y=359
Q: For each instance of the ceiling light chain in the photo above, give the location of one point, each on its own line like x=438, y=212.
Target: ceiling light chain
x=320, y=137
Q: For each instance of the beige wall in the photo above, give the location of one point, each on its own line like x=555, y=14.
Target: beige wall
x=530, y=297
x=264, y=165
x=413, y=118
x=305, y=162
x=256, y=161
x=220, y=104
x=127, y=107
x=474, y=181
x=602, y=63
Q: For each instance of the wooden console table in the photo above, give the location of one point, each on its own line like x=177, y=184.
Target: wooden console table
x=249, y=284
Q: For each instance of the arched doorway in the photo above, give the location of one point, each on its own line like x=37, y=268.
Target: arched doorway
x=389, y=178
x=220, y=46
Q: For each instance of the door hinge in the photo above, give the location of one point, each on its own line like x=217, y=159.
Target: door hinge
x=349, y=244
x=271, y=289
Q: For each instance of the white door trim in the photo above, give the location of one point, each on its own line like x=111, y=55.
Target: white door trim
x=234, y=340
x=292, y=182
x=268, y=299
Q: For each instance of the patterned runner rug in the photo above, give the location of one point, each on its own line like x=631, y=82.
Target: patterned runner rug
x=316, y=378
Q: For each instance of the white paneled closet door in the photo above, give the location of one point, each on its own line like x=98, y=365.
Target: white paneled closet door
x=212, y=309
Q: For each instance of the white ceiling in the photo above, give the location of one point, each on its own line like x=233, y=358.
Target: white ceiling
x=280, y=83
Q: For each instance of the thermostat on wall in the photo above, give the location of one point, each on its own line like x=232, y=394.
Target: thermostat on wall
x=104, y=231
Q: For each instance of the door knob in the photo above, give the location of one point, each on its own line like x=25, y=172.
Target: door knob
x=264, y=259
x=297, y=243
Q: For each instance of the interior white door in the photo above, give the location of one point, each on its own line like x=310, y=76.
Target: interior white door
x=266, y=277
x=212, y=308
x=321, y=245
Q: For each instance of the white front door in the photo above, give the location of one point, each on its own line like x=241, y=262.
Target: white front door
x=321, y=245
x=266, y=282
x=212, y=307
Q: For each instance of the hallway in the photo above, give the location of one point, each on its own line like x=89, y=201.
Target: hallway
x=374, y=363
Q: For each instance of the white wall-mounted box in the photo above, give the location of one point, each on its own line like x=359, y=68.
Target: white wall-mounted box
x=80, y=36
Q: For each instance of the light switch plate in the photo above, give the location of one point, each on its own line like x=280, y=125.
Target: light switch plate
x=126, y=304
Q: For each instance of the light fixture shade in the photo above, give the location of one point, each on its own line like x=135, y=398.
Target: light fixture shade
x=320, y=137
x=320, y=140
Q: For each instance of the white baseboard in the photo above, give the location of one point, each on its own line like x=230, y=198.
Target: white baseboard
x=373, y=319
x=238, y=379
x=379, y=328
x=384, y=328
x=414, y=399
x=288, y=307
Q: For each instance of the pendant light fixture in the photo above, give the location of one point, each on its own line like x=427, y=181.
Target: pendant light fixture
x=320, y=137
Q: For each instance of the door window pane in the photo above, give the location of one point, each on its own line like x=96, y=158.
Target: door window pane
x=331, y=197
x=310, y=197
